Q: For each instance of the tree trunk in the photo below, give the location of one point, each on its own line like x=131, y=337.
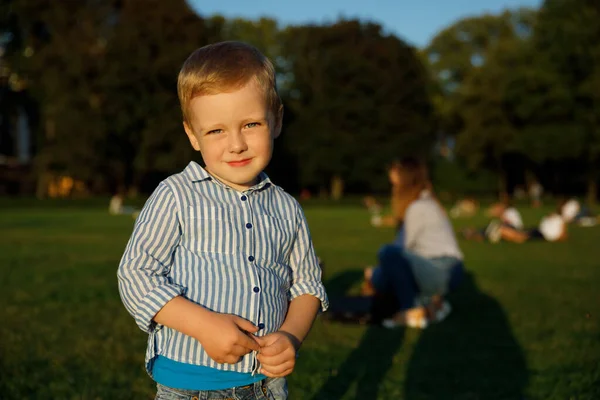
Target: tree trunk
x=337, y=187
x=592, y=190
x=41, y=186
x=502, y=186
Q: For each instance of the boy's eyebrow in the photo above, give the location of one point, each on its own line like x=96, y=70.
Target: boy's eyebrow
x=251, y=118
x=209, y=127
x=263, y=118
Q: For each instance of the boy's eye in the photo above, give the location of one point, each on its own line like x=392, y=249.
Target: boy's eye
x=214, y=131
x=252, y=125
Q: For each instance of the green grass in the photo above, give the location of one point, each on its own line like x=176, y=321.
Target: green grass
x=525, y=323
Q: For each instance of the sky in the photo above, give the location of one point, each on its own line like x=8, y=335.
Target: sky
x=416, y=21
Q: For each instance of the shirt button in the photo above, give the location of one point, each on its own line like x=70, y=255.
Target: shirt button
x=256, y=289
x=243, y=198
x=261, y=326
x=251, y=258
x=248, y=225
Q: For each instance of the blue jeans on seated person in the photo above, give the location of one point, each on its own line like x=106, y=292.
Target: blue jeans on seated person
x=267, y=389
x=407, y=275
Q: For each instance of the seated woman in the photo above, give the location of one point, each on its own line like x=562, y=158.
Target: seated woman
x=378, y=219
x=397, y=206
x=425, y=262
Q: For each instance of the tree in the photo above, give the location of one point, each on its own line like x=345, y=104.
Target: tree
x=472, y=61
x=488, y=134
x=567, y=39
x=105, y=75
x=459, y=50
x=355, y=99
x=149, y=43
x=58, y=61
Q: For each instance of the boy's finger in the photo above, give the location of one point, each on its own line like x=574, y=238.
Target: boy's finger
x=273, y=349
x=265, y=341
x=240, y=351
x=274, y=360
x=247, y=342
x=277, y=370
x=285, y=373
x=261, y=340
x=245, y=325
x=270, y=375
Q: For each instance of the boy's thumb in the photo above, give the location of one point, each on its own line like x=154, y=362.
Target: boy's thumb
x=245, y=325
x=260, y=340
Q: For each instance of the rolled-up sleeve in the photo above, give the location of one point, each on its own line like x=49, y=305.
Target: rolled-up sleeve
x=143, y=279
x=306, y=271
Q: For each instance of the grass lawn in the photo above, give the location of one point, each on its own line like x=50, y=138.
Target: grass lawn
x=525, y=323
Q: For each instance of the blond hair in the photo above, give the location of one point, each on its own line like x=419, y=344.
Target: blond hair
x=223, y=67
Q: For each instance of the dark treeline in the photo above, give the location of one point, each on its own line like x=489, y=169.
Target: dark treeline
x=515, y=94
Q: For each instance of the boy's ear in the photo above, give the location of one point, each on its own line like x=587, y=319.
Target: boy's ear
x=279, y=119
x=190, y=134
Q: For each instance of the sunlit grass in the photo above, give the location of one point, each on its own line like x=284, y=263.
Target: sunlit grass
x=525, y=324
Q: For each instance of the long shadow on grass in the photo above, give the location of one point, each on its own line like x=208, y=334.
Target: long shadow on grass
x=366, y=365
x=472, y=355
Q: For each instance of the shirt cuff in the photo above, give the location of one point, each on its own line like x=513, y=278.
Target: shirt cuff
x=315, y=289
x=153, y=302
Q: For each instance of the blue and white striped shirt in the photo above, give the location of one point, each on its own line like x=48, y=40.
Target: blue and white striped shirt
x=244, y=253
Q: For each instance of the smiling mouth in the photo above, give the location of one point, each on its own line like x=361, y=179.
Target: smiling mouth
x=240, y=163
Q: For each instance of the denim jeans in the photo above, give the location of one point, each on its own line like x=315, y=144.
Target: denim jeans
x=407, y=275
x=267, y=389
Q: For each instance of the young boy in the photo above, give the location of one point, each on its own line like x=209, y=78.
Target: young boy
x=220, y=270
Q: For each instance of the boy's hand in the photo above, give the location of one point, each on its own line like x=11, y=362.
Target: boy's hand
x=277, y=354
x=226, y=338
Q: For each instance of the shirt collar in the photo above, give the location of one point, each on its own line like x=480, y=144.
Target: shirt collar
x=196, y=173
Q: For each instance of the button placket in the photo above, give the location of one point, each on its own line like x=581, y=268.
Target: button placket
x=250, y=248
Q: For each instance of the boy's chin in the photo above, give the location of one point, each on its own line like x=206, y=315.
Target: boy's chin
x=240, y=183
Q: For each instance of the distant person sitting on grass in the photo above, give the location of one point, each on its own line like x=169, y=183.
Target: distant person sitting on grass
x=220, y=269
x=466, y=207
x=116, y=207
x=507, y=213
x=375, y=209
x=393, y=219
x=504, y=214
x=397, y=203
x=536, y=190
x=573, y=212
x=425, y=262
x=552, y=228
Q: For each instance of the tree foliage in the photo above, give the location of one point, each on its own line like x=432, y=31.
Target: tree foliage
x=522, y=82
x=357, y=99
x=98, y=80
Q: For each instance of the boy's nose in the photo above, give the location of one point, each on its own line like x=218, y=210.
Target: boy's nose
x=237, y=143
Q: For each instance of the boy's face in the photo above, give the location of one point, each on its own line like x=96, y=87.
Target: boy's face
x=234, y=132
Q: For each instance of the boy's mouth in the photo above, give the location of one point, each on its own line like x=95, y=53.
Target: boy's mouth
x=239, y=163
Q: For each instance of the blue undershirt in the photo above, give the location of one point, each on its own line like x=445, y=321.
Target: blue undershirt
x=179, y=375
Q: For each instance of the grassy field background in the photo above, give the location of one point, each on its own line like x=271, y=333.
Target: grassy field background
x=525, y=323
